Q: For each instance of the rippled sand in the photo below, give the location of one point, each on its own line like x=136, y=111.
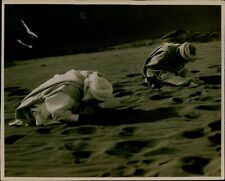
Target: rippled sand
x=174, y=131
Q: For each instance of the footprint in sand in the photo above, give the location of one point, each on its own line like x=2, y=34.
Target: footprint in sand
x=148, y=161
x=213, y=79
x=127, y=148
x=217, y=67
x=128, y=131
x=194, y=164
x=217, y=100
x=81, y=156
x=80, y=130
x=177, y=100
x=193, y=133
x=164, y=162
x=137, y=172
x=159, y=96
x=79, y=151
x=156, y=114
x=203, y=98
x=215, y=138
x=218, y=149
x=8, y=89
x=195, y=71
x=134, y=75
x=192, y=115
x=123, y=171
x=86, y=130
x=13, y=138
x=16, y=91
x=106, y=174
x=119, y=85
x=132, y=172
x=77, y=146
x=215, y=135
x=132, y=162
x=215, y=125
x=197, y=93
x=44, y=130
x=212, y=86
x=209, y=107
x=119, y=91
x=214, y=66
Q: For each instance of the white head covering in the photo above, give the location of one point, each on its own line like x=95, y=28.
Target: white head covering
x=184, y=50
x=99, y=87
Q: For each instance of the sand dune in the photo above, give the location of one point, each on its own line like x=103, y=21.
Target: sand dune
x=172, y=131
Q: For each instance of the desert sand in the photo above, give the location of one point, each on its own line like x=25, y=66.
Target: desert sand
x=143, y=132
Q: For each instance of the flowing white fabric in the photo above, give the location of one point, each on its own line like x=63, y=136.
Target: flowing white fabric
x=53, y=100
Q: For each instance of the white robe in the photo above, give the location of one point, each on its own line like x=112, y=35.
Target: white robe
x=54, y=100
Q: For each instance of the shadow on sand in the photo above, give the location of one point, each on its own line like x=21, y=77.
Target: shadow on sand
x=112, y=117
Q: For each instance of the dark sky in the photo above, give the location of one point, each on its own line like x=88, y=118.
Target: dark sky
x=81, y=27
x=118, y=18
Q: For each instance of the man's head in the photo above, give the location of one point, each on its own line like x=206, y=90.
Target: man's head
x=97, y=88
x=187, y=51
